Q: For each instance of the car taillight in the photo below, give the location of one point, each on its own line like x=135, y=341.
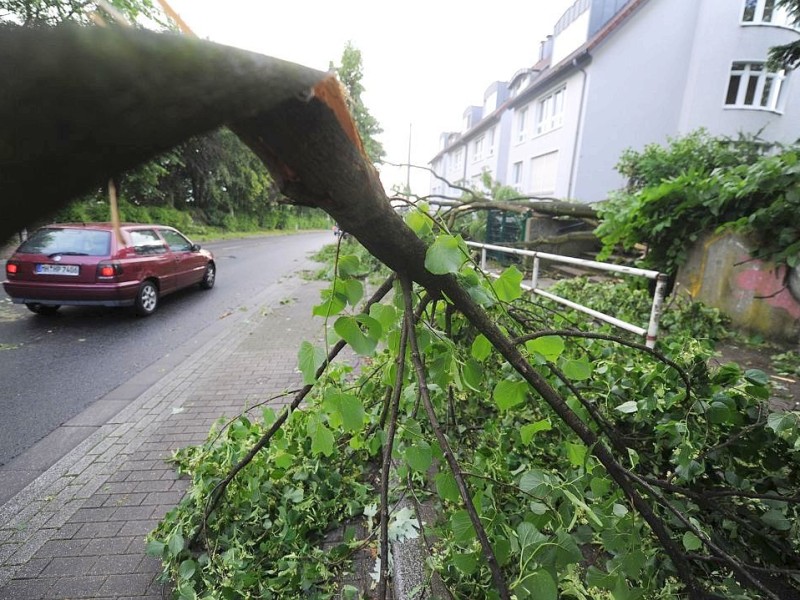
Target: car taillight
x=108, y=270
x=12, y=268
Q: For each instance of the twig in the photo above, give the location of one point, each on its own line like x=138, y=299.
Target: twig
x=687, y=382
x=219, y=489
x=386, y=462
x=497, y=575
x=732, y=562
x=601, y=421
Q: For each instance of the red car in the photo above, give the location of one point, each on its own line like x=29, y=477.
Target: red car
x=86, y=264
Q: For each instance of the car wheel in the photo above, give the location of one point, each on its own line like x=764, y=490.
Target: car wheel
x=42, y=309
x=146, y=299
x=209, y=277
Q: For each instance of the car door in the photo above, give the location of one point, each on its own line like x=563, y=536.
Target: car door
x=153, y=259
x=189, y=264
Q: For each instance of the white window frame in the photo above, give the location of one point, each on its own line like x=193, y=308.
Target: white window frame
x=491, y=142
x=550, y=111
x=516, y=176
x=757, y=88
x=478, y=147
x=522, y=115
x=775, y=15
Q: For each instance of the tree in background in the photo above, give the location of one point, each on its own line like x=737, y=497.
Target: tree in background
x=350, y=73
x=33, y=13
x=788, y=55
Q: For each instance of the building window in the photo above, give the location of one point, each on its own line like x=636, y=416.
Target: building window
x=550, y=112
x=478, y=149
x=765, y=11
x=543, y=173
x=516, y=175
x=491, y=142
x=521, y=118
x=752, y=85
x=456, y=161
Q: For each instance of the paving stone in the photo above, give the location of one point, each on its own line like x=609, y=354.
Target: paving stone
x=69, y=588
x=62, y=548
x=68, y=565
x=99, y=530
x=25, y=589
x=126, y=585
x=113, y=545
x=118, y=564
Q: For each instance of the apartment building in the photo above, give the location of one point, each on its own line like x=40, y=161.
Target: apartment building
x=619, y=74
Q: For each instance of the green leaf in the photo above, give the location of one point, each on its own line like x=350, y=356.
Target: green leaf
x=507, y=286
x=576, y=453
x=445, y=255
x=155, y=548
x=175, y=544
x=461, y=526
x=472, y=375
x=332, y=304
x=534, y=482
x=528, y=431
x=419, y=456
x=582, y=505
x=419, y=222
x=187, y=569
x=309, y=359
x=466, y=563
x=354, y=290
x=346, y=409
x=349, y=265
x=577, y=369
x=447, y=488
x=756, y=376
x=321, y=439
x=779, y=422
x=481, y=348
x=529, y=536
x=777, y=520
x=549, y=346
x=691, y=542
x=628, y=407
x=510, y=393
x=385, y=314
x=361, y=332
x=537, y=586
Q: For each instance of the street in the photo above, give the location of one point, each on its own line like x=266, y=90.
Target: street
x=55, y=367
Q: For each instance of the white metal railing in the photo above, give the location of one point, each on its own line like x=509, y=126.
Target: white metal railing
x=650, y=333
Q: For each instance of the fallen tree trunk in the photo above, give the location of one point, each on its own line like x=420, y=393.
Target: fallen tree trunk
x=126, y=96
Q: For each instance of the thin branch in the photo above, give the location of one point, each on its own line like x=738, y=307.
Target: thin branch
x=388, y=446
x=601, y=421
x=497, y=575
x=219, y=489
x=618, y=340
x=731, y=562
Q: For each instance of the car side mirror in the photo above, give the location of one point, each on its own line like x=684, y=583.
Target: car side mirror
x=195, y=247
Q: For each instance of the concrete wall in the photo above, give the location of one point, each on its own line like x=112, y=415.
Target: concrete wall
x=720, y=273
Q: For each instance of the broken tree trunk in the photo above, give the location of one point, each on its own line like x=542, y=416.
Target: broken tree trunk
x=91, y=102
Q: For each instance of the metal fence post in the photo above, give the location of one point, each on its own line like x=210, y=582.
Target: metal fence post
x=535, y=273
x=483, y=259
x=655, y=312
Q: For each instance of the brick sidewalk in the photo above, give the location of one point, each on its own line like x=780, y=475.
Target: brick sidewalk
x=78, y=530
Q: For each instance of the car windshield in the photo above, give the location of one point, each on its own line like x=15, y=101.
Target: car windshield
x=80, y=242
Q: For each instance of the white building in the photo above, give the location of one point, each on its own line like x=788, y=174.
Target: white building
x=620, y=74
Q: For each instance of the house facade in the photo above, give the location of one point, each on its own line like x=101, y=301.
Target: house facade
x=618, y=74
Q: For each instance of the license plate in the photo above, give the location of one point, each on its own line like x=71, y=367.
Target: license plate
x=57, y=270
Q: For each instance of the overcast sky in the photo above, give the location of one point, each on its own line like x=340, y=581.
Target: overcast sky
x=424, y=61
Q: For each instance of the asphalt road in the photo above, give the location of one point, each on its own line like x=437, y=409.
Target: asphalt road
x=52, y=368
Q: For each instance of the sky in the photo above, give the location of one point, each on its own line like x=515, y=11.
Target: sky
x=424, y=62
